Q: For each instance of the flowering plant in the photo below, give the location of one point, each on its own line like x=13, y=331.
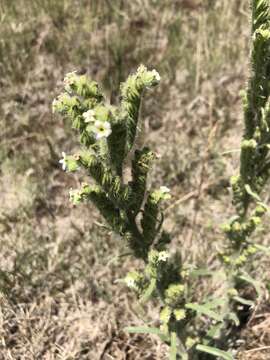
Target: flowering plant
x=108, y=136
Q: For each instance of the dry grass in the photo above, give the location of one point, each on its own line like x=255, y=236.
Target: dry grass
x=59, y=267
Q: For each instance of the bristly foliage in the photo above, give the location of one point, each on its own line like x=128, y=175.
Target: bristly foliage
x=260, y=13
x=140, y=168
x=254, y=172
x=131, y=94
x=108, y=137
x=108, y=134
x=254, y=159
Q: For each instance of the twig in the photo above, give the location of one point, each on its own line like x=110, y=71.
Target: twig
x=179, y=201
x=107, y=345
x=258, y=349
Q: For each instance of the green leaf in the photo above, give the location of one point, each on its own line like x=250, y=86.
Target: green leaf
x=146, y=330
x=214, y=351
x=252, y=193
x=243, y=301
x=264, y=205
x=173, y=348
x=214, y=332
x=148, y=292
x=256, y=284
x=212, y=304
x=201, y=272
x=204, y=309
x=265, y=249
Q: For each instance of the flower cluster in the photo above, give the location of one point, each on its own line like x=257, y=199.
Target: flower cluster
x=101, y=129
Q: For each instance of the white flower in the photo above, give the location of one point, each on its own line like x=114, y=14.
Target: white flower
x=89, y=116
x=63, y=161
x=156, y=75
x=102, y=129
x=165, y=192
x=163, y=256
x=130, y=281
x=69, y=78
x=164, y=189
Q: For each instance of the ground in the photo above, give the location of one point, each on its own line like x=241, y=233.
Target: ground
x=61, y=297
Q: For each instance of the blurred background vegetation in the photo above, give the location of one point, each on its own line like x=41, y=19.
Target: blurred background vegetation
x=59, y=266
